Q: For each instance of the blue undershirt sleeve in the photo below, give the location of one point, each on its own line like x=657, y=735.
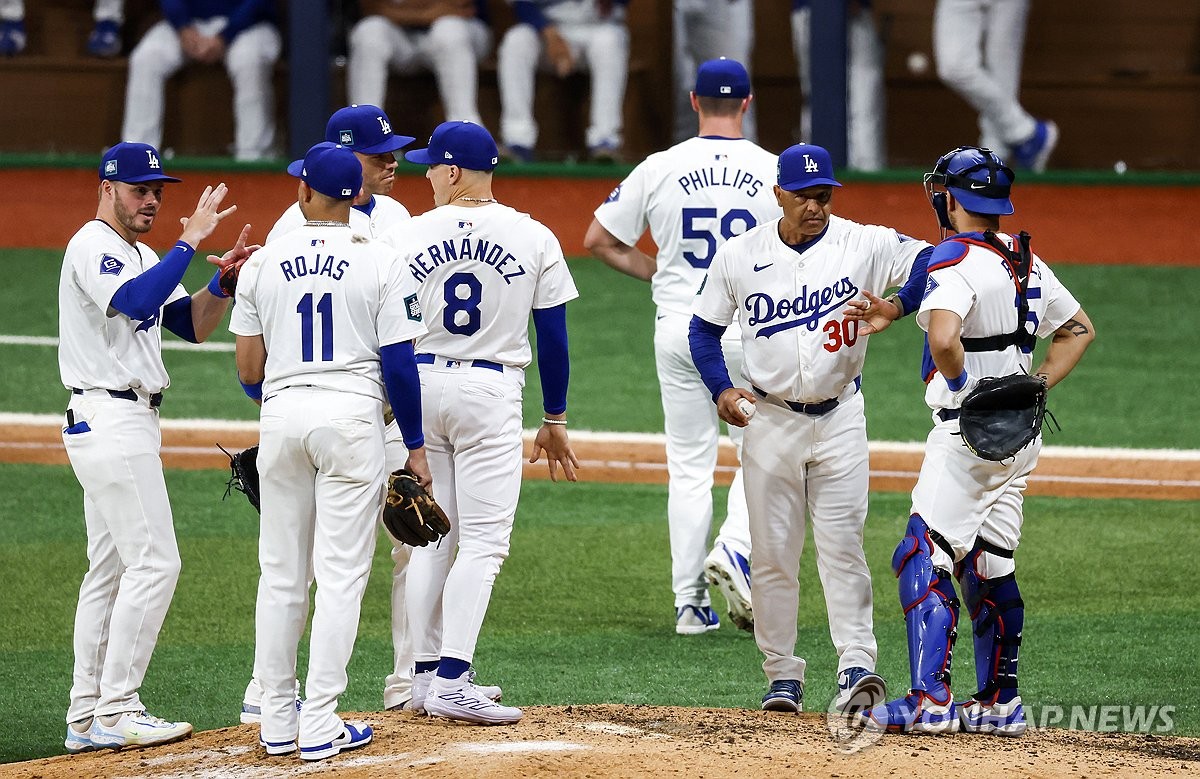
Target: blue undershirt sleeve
x=913, y=291
x=554, y=361
x=704, y=342
x=140, y=298
x=403, y=383
x=529, y=13
x=177, y=317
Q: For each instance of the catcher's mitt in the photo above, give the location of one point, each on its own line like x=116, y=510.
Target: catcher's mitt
x=243, y=476
x=410, y=514
x=1001, y=416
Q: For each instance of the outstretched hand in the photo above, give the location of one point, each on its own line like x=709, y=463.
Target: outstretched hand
x=238, y=254
x=206, y=217
x=552, y=439
x=874, y=314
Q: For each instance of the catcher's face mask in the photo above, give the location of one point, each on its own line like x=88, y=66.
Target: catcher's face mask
x=978, y=179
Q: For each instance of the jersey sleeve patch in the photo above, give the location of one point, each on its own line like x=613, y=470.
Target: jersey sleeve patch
x=412, y=307
x=614, y=196
x=930, y=285
x=111, y=266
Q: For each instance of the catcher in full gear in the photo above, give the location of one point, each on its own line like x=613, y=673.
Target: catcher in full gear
x=987, y=298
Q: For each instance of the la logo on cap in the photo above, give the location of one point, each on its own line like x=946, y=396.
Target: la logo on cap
x=810, y=165
x=346, y=137
x=384, y=126
x=153, y=161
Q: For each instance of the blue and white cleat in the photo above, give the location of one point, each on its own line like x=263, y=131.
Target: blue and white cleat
x=353, y=736
x=914, y=713
x=785, y=695
x=694, y=620
x=858, y=690
x=79, y=740
x=730, y=572
x=998, y=719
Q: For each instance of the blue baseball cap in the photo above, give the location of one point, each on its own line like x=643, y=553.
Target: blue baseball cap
x=364, y=129
x=722, y=78
x=464, y=144
x=805, y=165
x=132, y=163
x=330, y=169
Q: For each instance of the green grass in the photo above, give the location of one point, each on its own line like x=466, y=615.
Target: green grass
x=1115, y=398
x=582, y=611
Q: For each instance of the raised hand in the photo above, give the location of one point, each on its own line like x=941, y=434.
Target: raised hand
x=206, y=217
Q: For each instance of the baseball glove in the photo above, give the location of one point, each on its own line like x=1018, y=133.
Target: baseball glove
x=410, y=514
x=1002, y=416
x=243, y=477
x=229, y=277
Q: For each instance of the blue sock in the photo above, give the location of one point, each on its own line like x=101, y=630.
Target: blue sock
x=452, y=668
x=423, y=667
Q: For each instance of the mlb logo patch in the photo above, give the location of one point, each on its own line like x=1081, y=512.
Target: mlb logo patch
x=413, y=307
x=110, y=265
x=726, y=90
x=318, y=242
x=346, y=137
x=615, y=195
x=347, y=192
x=110, y=168
x=465, y=225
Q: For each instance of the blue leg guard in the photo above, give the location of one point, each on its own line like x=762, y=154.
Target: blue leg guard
x=998, y=617
x=931, y=616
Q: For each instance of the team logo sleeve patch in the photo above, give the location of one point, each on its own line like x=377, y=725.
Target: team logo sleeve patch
x=413, y=307
x=930, y=285
x=111, y=266
x=615, y=195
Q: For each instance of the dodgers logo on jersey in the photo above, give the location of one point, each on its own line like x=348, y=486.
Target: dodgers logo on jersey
x=808, y=307
x=145, y=325
x=615, y=195
x=111, y=266
x=346, y=137
x=413, y=307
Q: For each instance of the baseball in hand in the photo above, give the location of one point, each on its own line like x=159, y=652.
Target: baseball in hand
x=746, y=407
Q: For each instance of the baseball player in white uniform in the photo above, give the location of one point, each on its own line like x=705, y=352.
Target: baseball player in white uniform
x=693, y=197
x=239, y=32
x=448, y=37
x=866, y=102
x=805, y=449
x=559, y=35
x=978, y=45
x=483, y=269
x=367, y=131
x=967, y=511
x=114, y=297
x=704, y=30
x=324, y=323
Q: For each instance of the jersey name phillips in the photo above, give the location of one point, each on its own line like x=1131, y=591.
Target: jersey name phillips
x=317, y=265
x=491, y=254
x=720, y=177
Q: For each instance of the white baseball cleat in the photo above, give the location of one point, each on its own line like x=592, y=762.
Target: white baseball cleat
x=353, y=736
x=420, y=689
x=461, y=700
x=277, y=747
x=136, y=729
x=79, y=736
x=730, y=572
x=1000, y=719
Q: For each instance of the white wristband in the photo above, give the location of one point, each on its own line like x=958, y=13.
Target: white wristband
x=548, y=421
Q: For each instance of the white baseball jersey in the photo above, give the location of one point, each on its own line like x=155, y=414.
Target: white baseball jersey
x=297, y=293
x=693, y=197
x=385, y=213
x=98, y=351
x=796, y=344
x=480, y=272
x=974, y=286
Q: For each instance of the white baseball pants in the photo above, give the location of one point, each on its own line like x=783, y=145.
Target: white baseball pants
x=452, y=48
x=798, y=465
x=705, y=30
x=866, y=101
x=965, y=497
x=321, y=463
x=250, y=62
x=473, y=441
x=692, y=429
x=601, y=48
x=133, y=561
x=978, y=45
x=397, y=687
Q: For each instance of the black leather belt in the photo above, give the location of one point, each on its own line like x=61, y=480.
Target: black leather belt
x=818, y=409
x=947, y=414
x=155, y=399
x=428, y=359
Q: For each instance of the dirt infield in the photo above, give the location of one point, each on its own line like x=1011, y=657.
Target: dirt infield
x=587, y=742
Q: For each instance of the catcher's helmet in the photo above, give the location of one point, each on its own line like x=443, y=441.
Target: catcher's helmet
x=977, y=178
